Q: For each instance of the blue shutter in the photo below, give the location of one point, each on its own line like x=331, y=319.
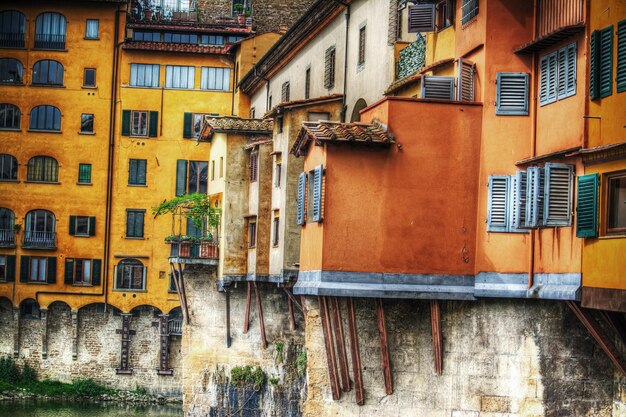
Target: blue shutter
x=437, y=87
x=558, y=195
x=548, y=78
x=301, y=194
x=512, y=93
x=497, y=203
x=534, y=197
x=587, y=209
x=421, y=18
x=594, y=65
x=519, y=201
x=570, y=84
x=606, y=62
x=318, y=175
x=621, y=57
x=561, y=60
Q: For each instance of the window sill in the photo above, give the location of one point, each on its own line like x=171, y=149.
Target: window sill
x=83, y=236
x=10, y=129
x=134, y=238
x=87, y=133
x=23, y=48
x=15, y=84
x=35, y=283
x=138, y=185
x=48, y=85
x=91, y=39
x=84, y=183
x=138, y=137
x=82, y=285
x=44, y=131
x=50, y=49
x=15, y=181
x=156, y=87
x=42, y=182
x=447, y=27
x=613, y=236
x=127, y=290
x=89, y=87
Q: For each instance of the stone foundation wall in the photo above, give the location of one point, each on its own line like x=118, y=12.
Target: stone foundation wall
x=98, y=348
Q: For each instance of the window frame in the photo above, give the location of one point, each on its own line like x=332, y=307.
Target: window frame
x=252, y=232
x=136, y=131
x=187, y=83
x=49, y=174
x=92, y=38
x=13, y=167
x=131, y=264
x=44, y=108
x=512, y=112
x=84, y=121
x=16, y=116
x=362, y=46
x=608, y=231
x=330, y=63
x=137, y=68
x=43, y=37
x=138, y=164
x=254, y=166
x=205, y=78
x=85, y=85
x=276, y=229
x=38, y=260
x=85, y=220
x=3, y=267
x=17, y=21
x=470, y=15
x=82, y=281
x=134, y=213
x=38, y=73
x=78, y=181
x=19, y=71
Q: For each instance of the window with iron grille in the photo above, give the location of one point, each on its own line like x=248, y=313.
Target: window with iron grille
x=9, y=116
x=45, y=117
x=285, y=92
x=361, y=59
x=12, y=29
x=48, y=72
x=329, y=68
x=137, y=171
x=84, y=173
x=43, y=169
x=86, y=123
x=307, y=83
x=89, y=79
x=11, y=70
x=254, y=165
x=144, y=75
x=469, y=10
x=135, y=222
x=8, y=167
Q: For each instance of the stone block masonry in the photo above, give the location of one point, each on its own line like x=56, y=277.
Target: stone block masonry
x=98, y=348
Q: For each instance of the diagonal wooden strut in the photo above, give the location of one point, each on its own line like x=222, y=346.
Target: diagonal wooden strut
x=356, y=354
x=179, y=292
x=228, y=338
x=340, y=343
x=330, y=350
x=246, y=321
x=435, y=321
x=384, y=346
x=260, y=312
x=183, y=291
x=596, y=331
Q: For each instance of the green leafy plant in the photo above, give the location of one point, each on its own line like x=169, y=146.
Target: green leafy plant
x=273, y=381
x=139, y=390
x=301, y=363
x=280, y=346
x=28, y=374
x=88, y=388
x=9, y=371
x=247, y=375
x=196, y=207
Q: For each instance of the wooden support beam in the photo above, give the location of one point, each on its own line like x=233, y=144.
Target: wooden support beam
x=598, y=334
x=260, y=312
x=340, y=343
x=183, y=292
x=303, y=304
x=246, y=320
x=293, y=299
x=356, y=354
x=164, y=345
x=292, y=319
x=178, y=290
x=44, y=336
x=384, y=346
x=617, y=323
x=227, y=294
x=435, y=322
x=126, y=333
x=330, y=350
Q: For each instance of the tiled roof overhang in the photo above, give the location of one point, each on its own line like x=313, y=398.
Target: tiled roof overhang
x=192, y=27
x=176, y=47
x=564, y=153
x=302, y=103
x=212, y=125
x=550, y=39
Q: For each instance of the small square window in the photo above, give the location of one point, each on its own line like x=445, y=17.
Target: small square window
x=616, y=204
x=252, y=232
x=137, y=172
x=84, y=173
x=82, y=226
x=38, y=269
x=86, y=123
x=139, y=123
x=90, y=77
x=91, y=30
x=135, y=223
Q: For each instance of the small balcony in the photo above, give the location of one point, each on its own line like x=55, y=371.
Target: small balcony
x=46, y=41
x=7, y=238
x=164, y=11
x=12, y=40
x=175, y=327
x=39, y=240
x=200, y=251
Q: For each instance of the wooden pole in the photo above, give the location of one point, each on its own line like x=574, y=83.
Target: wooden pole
x=330, y=351
x=356, y=354
x=435, y=321
x=260, y=311
x=227, y=294
x=341, y=345
x=246, y=321
x=384, y=346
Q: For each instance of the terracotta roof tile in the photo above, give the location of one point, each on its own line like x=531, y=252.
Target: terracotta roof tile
x=355, y=133
x=214, y=125
x=176, y=47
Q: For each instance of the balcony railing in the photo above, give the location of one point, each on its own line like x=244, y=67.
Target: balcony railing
x=195, y=250
x=45, y=41
x=164, y=10
x=39, y=240
x=175, y=327
x=7, y=238
x=12, y=40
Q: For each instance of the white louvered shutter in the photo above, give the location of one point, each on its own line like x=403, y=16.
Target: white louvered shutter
x=437, y=87
x=301, y=194
x=558, y=195
x=519, y=199
x=497, y=209
x=465, y=82
x=421, y=18
x=570, y=84
x=318, y=174
x=512, y=93
x=534, y=197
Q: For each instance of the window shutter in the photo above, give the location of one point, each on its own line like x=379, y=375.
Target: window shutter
x=421, y=18
x=10, y=271
x=329, y=69
x=145, y=273
x=153, y=129
x=519, y=200
x=24, y=267
x=125, y=122
x=465, y=83
x=534, y=197
x=544, y=68
x=301, y=191
x=96, y=271
x=181, y=177
x=69, y=271
x=497, y=209
x=594, y=65
x=92, y=225
x=437, y=87
x=621, y=57
x=141, y=171
x=561, y=59
x=115, y=277
x=558, y=195
x=318, y=174
x=570, y=85
x=606, y=62
x=586, y=211
x=139, y=224
x=512, y=93
x=188, y=125
x=52, y=269
x=72, y=225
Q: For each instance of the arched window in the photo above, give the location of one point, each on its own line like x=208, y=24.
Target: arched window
x=9, y=116
x=356, y=112
x=50, y=31
x=48, y=72
x=40, y=229
x=11, y=71
x=45, y=118
x=130, y=274
x=12, y=29
x=43, y=169
x=8, y=167
x=7, y=220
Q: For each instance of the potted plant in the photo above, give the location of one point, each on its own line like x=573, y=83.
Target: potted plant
x=242, y=12
x=171, y=239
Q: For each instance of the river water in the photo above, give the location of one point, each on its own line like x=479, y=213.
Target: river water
x=30, y=409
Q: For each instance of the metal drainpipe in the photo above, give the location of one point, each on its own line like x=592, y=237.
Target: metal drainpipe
x=533, y=149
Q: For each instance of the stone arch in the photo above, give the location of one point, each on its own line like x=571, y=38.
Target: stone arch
x=140, y=307
x=30, y=309
x=356, y=111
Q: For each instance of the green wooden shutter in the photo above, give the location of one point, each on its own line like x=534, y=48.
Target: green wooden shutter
x=497, y=203
x=153, y=130
x=621, y=57
x=301, y=194
x=181, y=177
x=139, y=223
x=587, y=209
x=141, y=172
x=24, y=268
x=125, y=122
x=72, y=225
x=606, y=62
x=188, y=126
x=558, y=194
x=69, y=271
x=96, y=271
x=10, y=268
x=318, y=174
x=52, y=269
x=594, y=65
x=92, y=225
